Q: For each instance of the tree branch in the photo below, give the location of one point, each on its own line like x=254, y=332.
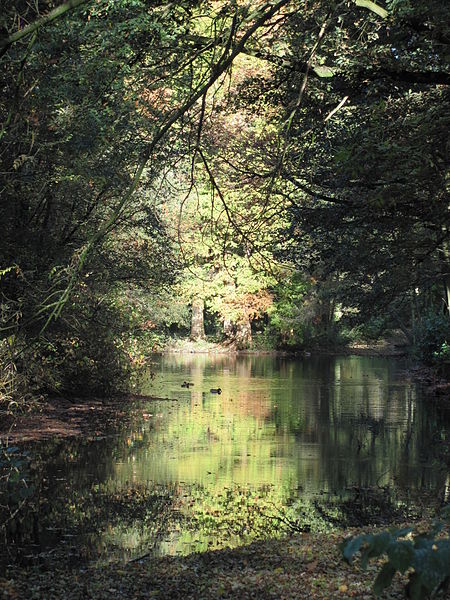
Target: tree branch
x=329, y=72
x=216, y=73
x=301, y=186
x=57, y=12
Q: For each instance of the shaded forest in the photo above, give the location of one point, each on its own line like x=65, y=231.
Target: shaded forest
x=271, y=175
x=225, y=177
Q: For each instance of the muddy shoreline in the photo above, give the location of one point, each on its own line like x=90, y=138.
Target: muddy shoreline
x=63, y=418
x=382, y=348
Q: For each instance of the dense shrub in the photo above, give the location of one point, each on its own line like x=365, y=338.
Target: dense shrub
x=430, y=338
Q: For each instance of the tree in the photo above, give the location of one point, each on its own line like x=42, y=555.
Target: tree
x=103, y=102
x=359, y=94
x=197, y=322
x=99, y=103
x=218, y=274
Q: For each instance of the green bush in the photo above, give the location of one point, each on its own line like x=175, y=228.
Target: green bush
x=90, y=364
x=290, y=324
x=430, y=335
x=374, y=328
x=442, y=356
x=17, y=394
x=86, y=352
x=427, y=556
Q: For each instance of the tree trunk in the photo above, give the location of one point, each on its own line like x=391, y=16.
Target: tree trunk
x=197, y=321
x=228, y=329
x=447, y=293
x=243, y=335
x=445, y=269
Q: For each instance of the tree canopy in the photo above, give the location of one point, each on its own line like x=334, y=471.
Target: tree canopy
x=287, y=161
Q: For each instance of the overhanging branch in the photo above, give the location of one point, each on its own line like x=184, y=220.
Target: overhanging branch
x=216, y=73
x=57, y=12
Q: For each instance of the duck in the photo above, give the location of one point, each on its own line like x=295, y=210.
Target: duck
x=186, y=384
x=215, y=391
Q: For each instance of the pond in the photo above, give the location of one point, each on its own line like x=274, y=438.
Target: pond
x=304, y=444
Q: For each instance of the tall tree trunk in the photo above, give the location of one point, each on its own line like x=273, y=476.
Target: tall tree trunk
x=446, y=274
x=447, y=292
x=197, y=321
x=243, y=334
x=228, y=329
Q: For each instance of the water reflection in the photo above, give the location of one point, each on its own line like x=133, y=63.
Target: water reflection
x=202, y=470
x=323, y=423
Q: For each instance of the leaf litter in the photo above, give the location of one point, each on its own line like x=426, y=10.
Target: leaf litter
x=301, y=566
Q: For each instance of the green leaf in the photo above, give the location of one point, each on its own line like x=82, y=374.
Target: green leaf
x=401, y=555
x=382, y=12
x=7, y=270
x=398, y=533
x=443, y=552
x=323, y=71
x=446, y=514
x=432, y=571
x=422, y=543
x=365, y=557
x=379, y=544
x=351, y=546
x=416, y=591
x=384, y=578
x=26, y=492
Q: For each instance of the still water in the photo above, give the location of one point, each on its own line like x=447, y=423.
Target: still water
x=286, y=443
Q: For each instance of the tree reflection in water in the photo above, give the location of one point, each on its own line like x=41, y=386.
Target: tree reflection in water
x=288, y=445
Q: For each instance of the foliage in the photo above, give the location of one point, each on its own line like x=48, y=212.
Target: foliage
x=372, y=329
x=8, y=379
x=442, y=356
x=431, y=335
x=83, y=165
x=67, y=150
x=218, y=266
x=90, y=360
x=427, y=554
x=292, y=316
x=17, y=392
x=246, y=136
x=15, y=485
x=361, y=216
